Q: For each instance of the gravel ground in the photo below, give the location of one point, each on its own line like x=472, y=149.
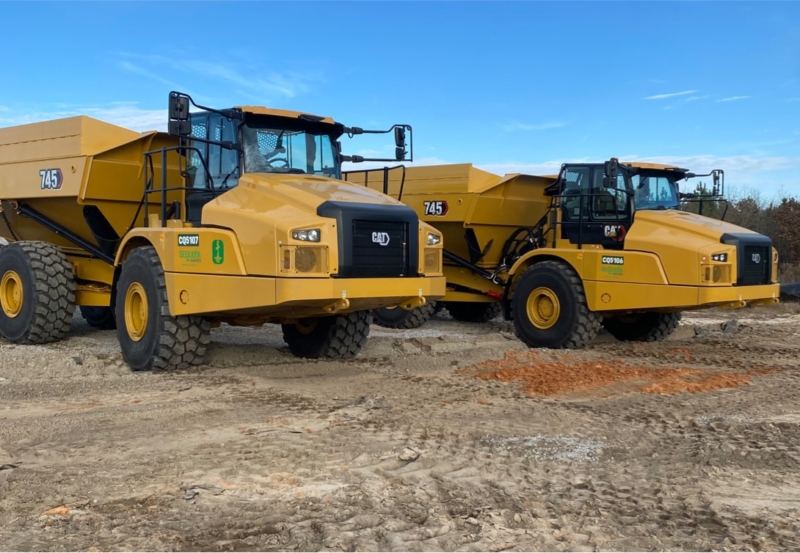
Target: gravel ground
x=450, y=437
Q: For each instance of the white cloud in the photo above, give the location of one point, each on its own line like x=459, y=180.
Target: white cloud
x=257, y=85
x=670, y=95
x=733, y=98
x=515, y=126
x=124, y=114
x=695, y=98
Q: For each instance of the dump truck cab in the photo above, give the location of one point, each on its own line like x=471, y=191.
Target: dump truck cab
x=234, y=216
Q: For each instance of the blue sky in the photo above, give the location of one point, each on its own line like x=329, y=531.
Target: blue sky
x=508, y=86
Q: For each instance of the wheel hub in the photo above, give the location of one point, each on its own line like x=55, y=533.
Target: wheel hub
x=136, y=311
x=543, y=308
x=306, y=326
x=11, y=294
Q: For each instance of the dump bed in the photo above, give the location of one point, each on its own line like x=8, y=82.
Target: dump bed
x=474, y=209
x=71, y=169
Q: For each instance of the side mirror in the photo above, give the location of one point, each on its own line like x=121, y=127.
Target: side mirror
x=178, y=107
x=610, y=182
x=400, y=137
x=612, y=168
x=178, y=111
x=180, y=128
x=400, y=154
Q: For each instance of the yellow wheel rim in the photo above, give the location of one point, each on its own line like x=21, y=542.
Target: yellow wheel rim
x=544, y=308
x=136, y=311
x=306, y=326
x=11, y=295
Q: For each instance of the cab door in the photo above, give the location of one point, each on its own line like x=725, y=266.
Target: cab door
x=595, y=209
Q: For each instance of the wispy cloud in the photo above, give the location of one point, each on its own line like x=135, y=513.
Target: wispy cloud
x=124, y=114
x=793, y=100
x=4, y=108
x=128, y=66
x=670, y=95
x=516, y=126
x=257, y=83
x=733, y=98
x=695, y=98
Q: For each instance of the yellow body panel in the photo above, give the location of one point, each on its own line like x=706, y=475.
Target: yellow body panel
x=290, y=298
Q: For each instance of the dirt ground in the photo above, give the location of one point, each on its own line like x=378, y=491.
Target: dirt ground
x=449, y=437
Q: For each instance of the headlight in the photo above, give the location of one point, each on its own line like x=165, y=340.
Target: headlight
x=722, y=257
x=307, y=235
x=433, y=239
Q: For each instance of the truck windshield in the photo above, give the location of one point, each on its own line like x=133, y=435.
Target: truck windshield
x=275, y=150
x=653, y=190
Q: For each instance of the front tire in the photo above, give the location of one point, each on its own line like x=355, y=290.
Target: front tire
x=642, y=327
x=149, y=336
x=549, y=308
x=334, y=337
x=37, y=293
x=400, y=318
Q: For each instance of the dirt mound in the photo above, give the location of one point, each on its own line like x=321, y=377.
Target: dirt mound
x=563, y=373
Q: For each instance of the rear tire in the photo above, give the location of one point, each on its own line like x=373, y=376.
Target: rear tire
x=99, y=317
x=473, y=312
x=335, y=337
x=149, y=336
x=400, y=318
x=549, y=308
x=642, y=327
x=37, y=293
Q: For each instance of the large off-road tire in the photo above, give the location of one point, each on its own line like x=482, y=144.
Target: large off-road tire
x=37, y=293
x=400, y=318
x=334, y=337
x=149, y=336
x=642, y=327
x=99, y=317
x=549, y=308
x=473, y=312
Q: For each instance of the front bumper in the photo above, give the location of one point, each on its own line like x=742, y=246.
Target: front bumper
x=193, y=294
x=618, y=296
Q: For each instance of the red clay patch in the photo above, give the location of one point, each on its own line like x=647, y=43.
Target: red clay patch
x=563, y=374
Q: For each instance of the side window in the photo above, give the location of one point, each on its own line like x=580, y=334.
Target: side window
x=298, y=153
x=197, y=173
x=223, y=163
x=576, y=181
x=608, y=203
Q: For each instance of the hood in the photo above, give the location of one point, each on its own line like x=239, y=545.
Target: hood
x=698, y=225
x=308, y=191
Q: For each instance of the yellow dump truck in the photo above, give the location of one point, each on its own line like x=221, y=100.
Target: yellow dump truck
x=237, y=215
x=597, y=245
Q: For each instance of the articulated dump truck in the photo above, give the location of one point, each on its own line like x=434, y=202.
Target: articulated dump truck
x=236, y=216
x=599, y=245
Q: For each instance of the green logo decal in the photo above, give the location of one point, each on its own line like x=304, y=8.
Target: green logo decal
x=185, y=240
x=218, y=252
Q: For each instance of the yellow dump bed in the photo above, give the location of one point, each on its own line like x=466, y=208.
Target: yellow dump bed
x=474, y=209
x=58, y=167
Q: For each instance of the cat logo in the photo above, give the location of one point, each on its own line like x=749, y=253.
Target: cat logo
x=381, y=238
x=756, y=258
x=615, y=232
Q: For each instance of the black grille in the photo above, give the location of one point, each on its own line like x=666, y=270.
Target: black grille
x=380, y=248
x=753, y=257
x=756, y=265
x=360, y=255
